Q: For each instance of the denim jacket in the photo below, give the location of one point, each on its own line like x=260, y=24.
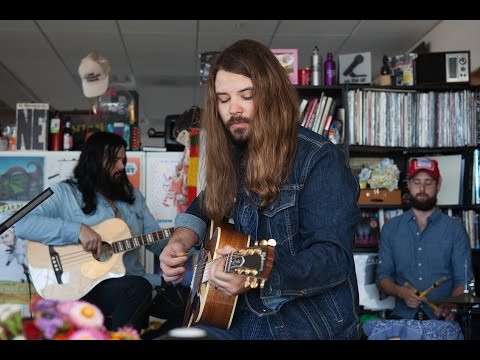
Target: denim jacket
x=312, y=291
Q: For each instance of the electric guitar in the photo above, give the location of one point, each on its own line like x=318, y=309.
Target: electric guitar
x=68, y=272
x=210, y=306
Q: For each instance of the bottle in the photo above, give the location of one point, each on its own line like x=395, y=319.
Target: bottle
x=13, y=139
x=55, y=137
x=67, y=136
x=3, y=141
x=316, y=67
x=330, y=74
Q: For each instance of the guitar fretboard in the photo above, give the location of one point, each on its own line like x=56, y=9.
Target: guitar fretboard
x=137, y=241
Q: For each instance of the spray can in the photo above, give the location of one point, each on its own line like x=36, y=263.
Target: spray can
x=316, y=73
x=330, y=68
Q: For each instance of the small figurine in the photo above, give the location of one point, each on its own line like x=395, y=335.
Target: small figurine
x=385, y=78
x=385, y=69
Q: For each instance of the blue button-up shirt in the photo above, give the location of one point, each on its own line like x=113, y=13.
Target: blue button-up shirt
x=58, y=219
x=422, y=257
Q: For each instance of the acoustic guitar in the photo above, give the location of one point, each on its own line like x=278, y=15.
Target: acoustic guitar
x=67, y=272
x=210, y=306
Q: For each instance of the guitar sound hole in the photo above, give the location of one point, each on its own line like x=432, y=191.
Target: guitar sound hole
x=106, y=252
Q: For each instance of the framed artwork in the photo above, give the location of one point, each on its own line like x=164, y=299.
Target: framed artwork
x=289, y=60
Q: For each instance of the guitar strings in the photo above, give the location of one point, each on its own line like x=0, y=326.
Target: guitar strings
x=204, y=266
x=77, y=260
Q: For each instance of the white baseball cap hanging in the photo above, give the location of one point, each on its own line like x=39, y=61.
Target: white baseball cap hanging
x=94, y=70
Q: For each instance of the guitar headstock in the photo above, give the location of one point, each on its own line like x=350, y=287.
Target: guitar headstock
x=255, y=262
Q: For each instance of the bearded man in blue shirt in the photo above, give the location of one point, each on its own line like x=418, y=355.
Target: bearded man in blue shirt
x=422, y=247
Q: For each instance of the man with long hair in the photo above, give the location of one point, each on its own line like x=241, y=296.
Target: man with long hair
x=99, y=190
x=275, y=180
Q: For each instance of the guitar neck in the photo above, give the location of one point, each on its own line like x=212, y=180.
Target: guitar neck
x=138, y=241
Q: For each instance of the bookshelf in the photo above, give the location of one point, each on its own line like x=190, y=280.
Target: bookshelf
x=418, y=105
x=405, y=122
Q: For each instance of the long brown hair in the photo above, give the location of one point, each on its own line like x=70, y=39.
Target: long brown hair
x=272, y=139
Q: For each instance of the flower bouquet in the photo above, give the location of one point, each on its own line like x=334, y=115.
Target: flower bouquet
x=384, y=176
x=383, y=182
x=61, y=320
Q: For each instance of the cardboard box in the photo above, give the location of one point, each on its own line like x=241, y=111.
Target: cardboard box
x=380, y=197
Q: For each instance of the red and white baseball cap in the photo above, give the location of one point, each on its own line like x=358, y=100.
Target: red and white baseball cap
x=424, y=164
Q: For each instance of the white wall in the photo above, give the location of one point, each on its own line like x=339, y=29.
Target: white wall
x=453, y=35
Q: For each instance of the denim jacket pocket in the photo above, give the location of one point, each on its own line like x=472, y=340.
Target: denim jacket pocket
x=280, y=218
x=286, y=198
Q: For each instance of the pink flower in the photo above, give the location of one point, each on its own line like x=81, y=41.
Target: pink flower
x=85, y=315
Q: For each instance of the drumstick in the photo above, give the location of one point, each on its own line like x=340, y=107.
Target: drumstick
x=423, y=298
x=433, y=286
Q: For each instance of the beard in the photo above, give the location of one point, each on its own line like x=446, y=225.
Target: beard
x=117, y=187
x=428, y=203
x=237, y=136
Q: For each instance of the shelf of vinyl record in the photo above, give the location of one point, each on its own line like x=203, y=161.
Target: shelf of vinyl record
x=382, y=117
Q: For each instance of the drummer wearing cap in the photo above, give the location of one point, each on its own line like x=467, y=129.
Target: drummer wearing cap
x=422, y=246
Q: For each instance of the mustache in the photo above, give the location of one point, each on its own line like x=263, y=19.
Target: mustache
x=237, y=120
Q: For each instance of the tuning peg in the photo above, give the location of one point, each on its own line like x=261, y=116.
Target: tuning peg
x=253, y=272
x=239, y=271
x=263, y=242
x=250, y=251
x=271, y=242
x=247, y=282
x=258, y=251
x=254, y=284
x=246, y=271
x=242, y=251
x=255, y=243
x=262, y=283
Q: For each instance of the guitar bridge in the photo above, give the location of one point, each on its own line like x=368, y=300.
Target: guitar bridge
x=56, y=264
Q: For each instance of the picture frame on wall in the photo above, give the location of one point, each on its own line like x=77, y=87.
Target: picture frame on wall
x=288, y=58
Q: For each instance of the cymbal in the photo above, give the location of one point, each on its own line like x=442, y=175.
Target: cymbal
x=464, y=299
